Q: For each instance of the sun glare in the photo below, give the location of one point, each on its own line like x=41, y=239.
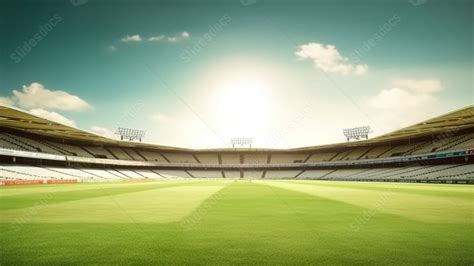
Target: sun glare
x=243, y=105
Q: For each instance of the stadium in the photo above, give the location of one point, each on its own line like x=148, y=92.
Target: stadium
x=439, y=150
x=239, y=132
x=88, y=183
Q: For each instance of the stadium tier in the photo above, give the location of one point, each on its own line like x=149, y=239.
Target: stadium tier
x=438, y=150
x=252, y=174
x=211, y=158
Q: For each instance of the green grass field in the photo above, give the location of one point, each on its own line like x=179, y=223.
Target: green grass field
x=237, y=222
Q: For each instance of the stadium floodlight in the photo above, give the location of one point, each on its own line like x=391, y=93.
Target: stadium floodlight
x=130, y=133
x=357, y=132
x=241, y=141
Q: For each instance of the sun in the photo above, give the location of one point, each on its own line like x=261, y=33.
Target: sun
x=241, y=97
x=243, y=105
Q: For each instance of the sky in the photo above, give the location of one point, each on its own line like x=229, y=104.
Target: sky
x=197, y=73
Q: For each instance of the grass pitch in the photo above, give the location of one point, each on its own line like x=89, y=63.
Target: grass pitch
x=236, y=222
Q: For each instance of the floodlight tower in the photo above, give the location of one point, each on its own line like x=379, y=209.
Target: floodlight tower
x=241, y=142
x=130, y=133
x=357, y=132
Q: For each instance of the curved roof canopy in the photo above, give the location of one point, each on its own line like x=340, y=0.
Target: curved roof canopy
x=17, y=119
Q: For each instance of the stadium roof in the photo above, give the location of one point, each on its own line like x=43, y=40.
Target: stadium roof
x=11, y=117
x=15, y=118
x=448, y=123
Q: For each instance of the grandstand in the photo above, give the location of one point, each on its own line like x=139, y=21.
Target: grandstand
x=438, y=150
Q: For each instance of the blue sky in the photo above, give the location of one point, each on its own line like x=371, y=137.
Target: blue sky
x=195, y=74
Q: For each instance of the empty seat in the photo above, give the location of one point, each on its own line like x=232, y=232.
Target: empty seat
x=209, y=158
x=280, y=174
x=253, y=174
x=255, y=158
x=206, y=174
x=173, y=173
x=309, y=174
x=180, y=157
x=232, y=174
x=229, y=158
x=321, y=157
x=288, y=158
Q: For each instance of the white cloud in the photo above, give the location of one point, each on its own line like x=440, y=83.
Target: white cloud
x=328, y=59
x=398, y=98
x=53, y=116
x=6, y=101
x=157, y=38
x=37, y=96
x=111, y=49
x=103, y=131
x=407, y=102
x=175, y=38
x=132, y=38
x=419, y=86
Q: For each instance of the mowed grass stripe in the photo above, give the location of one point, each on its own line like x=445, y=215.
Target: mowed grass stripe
x=254, y=224
x=436, y=209
x=158, y=205
x=259, y=224
x=424, y=186
x=60, y=195
x=457, y=191
x=33, y=189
